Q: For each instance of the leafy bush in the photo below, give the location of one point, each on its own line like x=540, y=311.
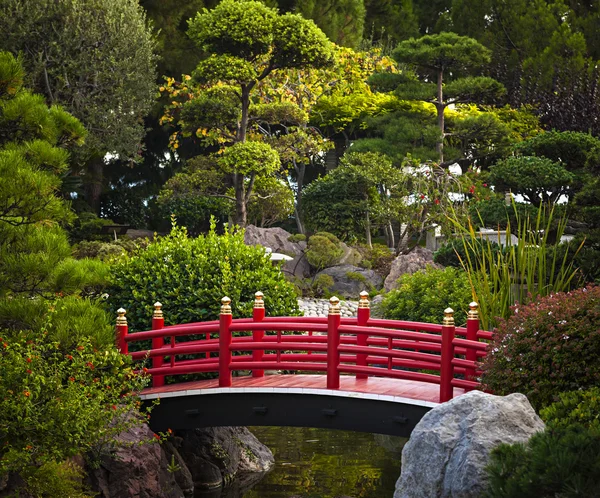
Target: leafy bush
x=575, y=407
x=547, y=347
x=297, y=237
x=563, y=462
x=323, y=250
x=423, y=296
x=321, y=285
x=378, y=258
x=107, y=250
x=190, y=276
x=89, y=227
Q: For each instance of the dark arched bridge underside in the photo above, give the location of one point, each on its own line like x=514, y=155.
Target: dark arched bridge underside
x=377, y=405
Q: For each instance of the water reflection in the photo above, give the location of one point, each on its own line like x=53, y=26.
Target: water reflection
x=319, y=463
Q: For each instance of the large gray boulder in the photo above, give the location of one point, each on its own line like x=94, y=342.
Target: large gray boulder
x=216, y=455
x=277, y=239
x=349, y=281
x=418, y=259
x=450, y=447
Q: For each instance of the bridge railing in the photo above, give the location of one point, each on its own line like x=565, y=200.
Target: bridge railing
x=441, y=354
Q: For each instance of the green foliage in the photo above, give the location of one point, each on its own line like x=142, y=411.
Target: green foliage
x=423, y=296
x=88, y=226
x=522, y=271
x=60, y=401
x=323, y=250
x=190, y=276
x=547, y=347
x=56, y=479
x=271, y=201
x=321, y=285
x=537, y=179
x=297, y=237
x=559, y=462
x=378, y=258
x=574, y=408
x=453, y=252
x=248, y=158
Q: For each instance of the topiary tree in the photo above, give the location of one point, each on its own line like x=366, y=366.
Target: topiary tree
x=190, y=276
x=323, y=250
x=423, y=296
x=547, y=347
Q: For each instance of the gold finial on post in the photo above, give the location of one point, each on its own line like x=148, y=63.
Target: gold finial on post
x=448, y=317
x=334, y=306
x=364, y=300
x=258, y=300
x=121, y=320
x=157, y=310
x=473, y=311
x=225, y=306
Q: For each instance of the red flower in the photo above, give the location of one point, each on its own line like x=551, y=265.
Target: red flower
x=422, y=196
x=69, y=357
x=28, y=371
x=27, y=394
x=437, y=201
x=157, y=437
x=485, y=184
x=28, y=360
x=170, y=431
x=80, y=348
x=145, y=370
x=114, y=407
x=72, y=379
x=90, y=364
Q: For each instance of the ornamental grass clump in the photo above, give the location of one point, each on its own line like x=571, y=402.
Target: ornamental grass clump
x=547, y=347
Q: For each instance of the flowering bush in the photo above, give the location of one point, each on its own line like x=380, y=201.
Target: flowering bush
x=546, y=347
x=56, y=403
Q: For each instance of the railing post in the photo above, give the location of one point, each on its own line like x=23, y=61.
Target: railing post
x=362, y=317
x=122, y=330
x=447, y=355
x=333, y=341
x=472, y=329
x=225, y=319
x=158, y=322
x=258, y=314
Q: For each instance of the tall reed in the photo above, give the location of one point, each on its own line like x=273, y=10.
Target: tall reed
x=523, y=270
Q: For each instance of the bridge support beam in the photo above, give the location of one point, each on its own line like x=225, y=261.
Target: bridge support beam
x=225, y=319
x=333, y=341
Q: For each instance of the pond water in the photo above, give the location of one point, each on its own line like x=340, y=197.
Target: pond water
x=320, y=463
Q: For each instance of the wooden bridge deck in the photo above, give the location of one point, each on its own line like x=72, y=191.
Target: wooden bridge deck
x=377, y=388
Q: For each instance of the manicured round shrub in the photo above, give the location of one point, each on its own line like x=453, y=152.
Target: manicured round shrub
x=323, y=250
x=423, y=296
x=562, y=462
x=190, y=276
x=549, y=346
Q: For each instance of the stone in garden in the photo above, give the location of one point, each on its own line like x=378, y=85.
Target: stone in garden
x=277, y=240
x=450, y=447
x=416, y=260
x=349, y=281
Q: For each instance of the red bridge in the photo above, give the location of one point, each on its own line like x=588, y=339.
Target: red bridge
x=348, y=373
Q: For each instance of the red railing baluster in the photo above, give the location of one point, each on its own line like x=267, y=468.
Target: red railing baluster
x=158, y=322
x=472, y=329
x=122, y=330
x=333, y=341
x=278, y=350
x=225, y=319
x=258, y=314
x=207, y=337
x=447, y=355
x=172, y=356
x=390, y=347
x=362, y=318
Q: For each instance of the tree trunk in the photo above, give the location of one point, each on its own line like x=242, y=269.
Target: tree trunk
x=240, y=200
x=300, y=171
x=439, y=105
x=93, y=187
x=368, y=230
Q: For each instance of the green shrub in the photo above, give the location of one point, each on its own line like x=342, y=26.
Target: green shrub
x=190, y=276
x=107, y=250
x=323, y=250
x=378, y=258
x=89, y=227
x=546, y=347
x=321, y=285
x=575, y=407
x=561, y=462
x=423, y=296
x=297, y=237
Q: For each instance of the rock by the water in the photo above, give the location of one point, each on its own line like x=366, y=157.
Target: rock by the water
x=277, y=239
x=450, y=447
x=349, y=281
x=418, y=259
x=216, y=455
x=139, y=470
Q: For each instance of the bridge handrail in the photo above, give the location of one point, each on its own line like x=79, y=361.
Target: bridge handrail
x=363, y=346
